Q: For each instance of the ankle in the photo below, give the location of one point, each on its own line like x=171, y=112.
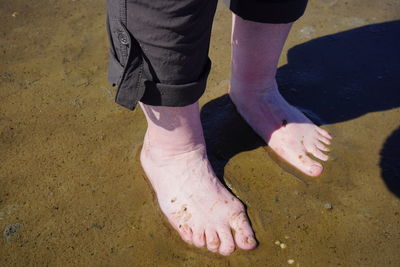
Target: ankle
x=175, y=146
x=246, y=89
x=173, y=130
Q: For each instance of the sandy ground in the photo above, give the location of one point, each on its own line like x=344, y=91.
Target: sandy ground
x=72, y=192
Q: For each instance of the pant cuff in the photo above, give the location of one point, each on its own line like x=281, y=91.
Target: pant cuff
x=175, y=95
x=265, y=11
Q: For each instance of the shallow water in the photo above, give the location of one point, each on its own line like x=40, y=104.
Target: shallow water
x=72, y=193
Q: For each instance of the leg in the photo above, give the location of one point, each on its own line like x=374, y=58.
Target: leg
x=164, y=52
x=256, y=48
x=196, y=204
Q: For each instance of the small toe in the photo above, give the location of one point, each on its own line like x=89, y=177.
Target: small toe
x=318, y=154
x=324, y=133
x=244, y=236
x=324, y=139
x=227, y=245
x=321, y=146
x=212, y=240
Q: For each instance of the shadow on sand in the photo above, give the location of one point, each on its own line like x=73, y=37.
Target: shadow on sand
x=337, y=77
x=390, y=162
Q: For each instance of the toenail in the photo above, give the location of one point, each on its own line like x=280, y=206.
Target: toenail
x=315, y=169
x=214, y=243
x=250, y=240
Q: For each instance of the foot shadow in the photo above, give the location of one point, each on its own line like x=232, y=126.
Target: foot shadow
x=338, y=77
x=226, y=133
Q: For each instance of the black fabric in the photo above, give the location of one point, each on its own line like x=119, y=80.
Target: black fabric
x=125, y=62
x=268, y=11
x=163, y=94
x=159, y=50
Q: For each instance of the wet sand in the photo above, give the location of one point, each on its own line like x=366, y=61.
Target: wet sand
x=71, y=190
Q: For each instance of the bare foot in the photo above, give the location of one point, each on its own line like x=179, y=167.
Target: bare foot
x=283, y=127
x=195, y=202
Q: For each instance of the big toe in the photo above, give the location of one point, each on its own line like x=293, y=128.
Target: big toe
x=303, y=162
x=308, y=166
x=227, y=245
x=186, y=236
x=244, y=236
x=184, y=231
x=315, y=169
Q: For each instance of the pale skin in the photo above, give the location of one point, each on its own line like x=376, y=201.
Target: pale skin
x=194, y=201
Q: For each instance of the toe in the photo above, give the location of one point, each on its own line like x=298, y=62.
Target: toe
x=227, y=245
x=309, y=166
x=321, y=146
x=317, y=153
x=185, y=232
x=198, y=238
x=244, y=236
x=324, y=133
x=315, y=169
x=212, y=240
x=324, y=139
